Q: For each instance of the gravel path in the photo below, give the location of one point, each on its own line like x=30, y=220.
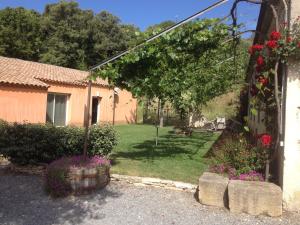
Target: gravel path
x=23, y=202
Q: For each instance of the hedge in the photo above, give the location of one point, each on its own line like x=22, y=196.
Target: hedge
x=33, y=144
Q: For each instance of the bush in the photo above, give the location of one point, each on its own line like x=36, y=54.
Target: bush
x=58, y=176
x=236, y=151
x=102, y=140
x=36, y=143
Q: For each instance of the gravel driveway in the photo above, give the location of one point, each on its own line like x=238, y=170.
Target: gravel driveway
x=23, y=201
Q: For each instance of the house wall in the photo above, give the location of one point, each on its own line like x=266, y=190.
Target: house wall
x=291, y=169
x=125, y=108
x=76, y=101
x=288, y=164
x=291, y=159
x=21, y=104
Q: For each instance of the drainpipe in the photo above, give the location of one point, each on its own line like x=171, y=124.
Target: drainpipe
x=284, y=95
x=114, y=107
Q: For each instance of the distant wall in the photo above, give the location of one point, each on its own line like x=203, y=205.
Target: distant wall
x=20, y=104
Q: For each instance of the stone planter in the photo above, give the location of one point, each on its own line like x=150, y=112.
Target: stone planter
x=83, y=180
x=76, y=175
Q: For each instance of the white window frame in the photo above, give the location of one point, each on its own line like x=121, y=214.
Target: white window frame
x=67, y=107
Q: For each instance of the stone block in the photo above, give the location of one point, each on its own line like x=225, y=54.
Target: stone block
x=255, y=198
x=213, y=190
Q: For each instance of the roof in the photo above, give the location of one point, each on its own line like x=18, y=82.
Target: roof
x=17, y=71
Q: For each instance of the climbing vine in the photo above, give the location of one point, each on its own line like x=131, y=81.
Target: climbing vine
x=266, y=81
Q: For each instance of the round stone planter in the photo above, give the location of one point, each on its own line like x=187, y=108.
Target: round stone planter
x=83, y=180
x=76, y=175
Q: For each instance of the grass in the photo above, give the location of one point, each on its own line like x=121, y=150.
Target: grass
x=176, y=157
x=224, y=105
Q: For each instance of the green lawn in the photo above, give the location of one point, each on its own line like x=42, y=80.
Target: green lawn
x=176, y=157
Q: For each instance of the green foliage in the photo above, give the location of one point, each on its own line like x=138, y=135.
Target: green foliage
x=34, y=143
x=63, y=35
x=186, y=67
x=236, y=151
x=20, y=33
x=102, y=140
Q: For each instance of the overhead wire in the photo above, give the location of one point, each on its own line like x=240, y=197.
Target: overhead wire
x=184, y=21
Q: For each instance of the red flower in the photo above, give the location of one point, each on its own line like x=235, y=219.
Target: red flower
x=272, y=44
x=266, y=140
x=298, y=44
x=255, y=48
x=289, y=39
x=263, y=80
x=260, y=61
x=275, y=36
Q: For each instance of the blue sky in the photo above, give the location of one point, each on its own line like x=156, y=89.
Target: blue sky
x=144, y=13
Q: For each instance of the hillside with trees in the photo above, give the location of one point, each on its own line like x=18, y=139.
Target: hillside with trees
x=63, y=35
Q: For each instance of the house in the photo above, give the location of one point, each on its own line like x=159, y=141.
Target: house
x=39, y=93
x=288, y=158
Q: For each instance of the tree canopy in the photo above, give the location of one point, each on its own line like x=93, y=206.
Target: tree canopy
x=63, y=35
x=188, y=66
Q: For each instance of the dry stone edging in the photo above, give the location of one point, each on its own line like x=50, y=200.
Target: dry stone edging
x=251, y=197
x=155, y=182
x=212, y=190
x=255, y=198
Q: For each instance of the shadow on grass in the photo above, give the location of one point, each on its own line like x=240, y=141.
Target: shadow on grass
x=169, y=146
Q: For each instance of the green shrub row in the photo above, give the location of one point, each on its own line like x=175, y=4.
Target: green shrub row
x=37, y=143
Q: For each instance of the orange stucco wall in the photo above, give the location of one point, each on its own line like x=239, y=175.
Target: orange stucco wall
x=29, y=104
x=20, y=104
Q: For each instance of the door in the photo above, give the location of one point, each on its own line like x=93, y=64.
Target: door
x=95, y=113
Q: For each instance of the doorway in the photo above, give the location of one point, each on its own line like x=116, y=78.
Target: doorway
x=95, y=110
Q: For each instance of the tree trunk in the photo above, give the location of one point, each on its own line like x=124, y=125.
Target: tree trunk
x=161, y=115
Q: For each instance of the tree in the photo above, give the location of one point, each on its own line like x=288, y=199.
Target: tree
x=188, y=66
x=79, y=39
x=20, y=34
x=63, y=35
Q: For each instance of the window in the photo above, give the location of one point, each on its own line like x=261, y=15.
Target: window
x=56, y=109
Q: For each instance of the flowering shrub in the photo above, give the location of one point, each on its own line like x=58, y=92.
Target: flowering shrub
x=223, y=169
x=232, y=174
x=250, y=176
x=236, y=150
x=57, y=174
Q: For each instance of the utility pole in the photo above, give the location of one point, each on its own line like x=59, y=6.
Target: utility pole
x=87, y=118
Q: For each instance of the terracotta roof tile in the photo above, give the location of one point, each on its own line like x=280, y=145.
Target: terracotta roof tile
x=17, y=71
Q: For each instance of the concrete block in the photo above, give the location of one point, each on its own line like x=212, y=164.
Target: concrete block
x=255, y=198
x=213, y=190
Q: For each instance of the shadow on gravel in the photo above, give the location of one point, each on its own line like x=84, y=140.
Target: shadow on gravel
x=23, y=201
